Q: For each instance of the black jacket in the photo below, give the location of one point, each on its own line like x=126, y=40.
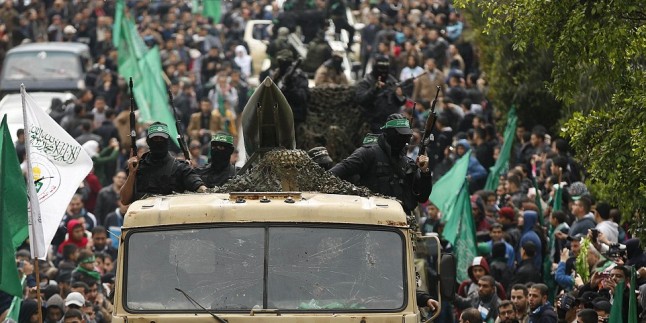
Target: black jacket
x=543, y=314
x=378, y=104
x=297, y=92
x=215, y=177
x=165, y=177
x=526, y=273
x=398, y=177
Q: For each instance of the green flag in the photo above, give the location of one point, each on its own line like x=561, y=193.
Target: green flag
x=14, y=310
x=617, y=304
x=13, y=212
x=195, y=6
x=153, y=92
x=213, y=9
x=144, y=66
x=502, y=163
x=451, y=196
x=118, y=21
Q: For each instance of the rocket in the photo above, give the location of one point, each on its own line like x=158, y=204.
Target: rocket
x=267, y=120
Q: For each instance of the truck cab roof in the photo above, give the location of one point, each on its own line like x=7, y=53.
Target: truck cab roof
x=302, y=207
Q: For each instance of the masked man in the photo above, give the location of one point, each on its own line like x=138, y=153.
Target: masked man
x=384, y=167
x=157, y=172
x=331, y=72
x=220, y=170
x=378, y=95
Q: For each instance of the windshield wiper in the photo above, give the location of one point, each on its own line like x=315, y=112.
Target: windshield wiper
x=194, y=302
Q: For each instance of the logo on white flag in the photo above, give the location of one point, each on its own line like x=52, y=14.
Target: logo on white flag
x=47, y=178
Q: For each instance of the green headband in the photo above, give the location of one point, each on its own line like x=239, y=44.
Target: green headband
x=158, y=128
x=396, y=123
x=221, y=137
x=370, y=139
x=88, y=260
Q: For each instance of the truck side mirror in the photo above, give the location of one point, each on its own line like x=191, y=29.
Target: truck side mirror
x=448, y=285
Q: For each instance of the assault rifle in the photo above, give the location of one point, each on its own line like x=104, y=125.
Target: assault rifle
x=403, y=83
x=409, y=80
x=428, y=127
x=280, y=82
x=133, y=124
x=178, y=126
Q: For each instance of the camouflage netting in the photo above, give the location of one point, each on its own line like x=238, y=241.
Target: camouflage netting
x=290, y=170
x=334, y=120
x=283, y=170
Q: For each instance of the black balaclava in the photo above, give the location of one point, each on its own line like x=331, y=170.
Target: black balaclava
x=381, y=68
x=284, y=59
x=396, y=141
x=336, y=63
x=158, y=149
x=220, y=158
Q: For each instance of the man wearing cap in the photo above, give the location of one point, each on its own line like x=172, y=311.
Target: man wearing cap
x=220, y=169
x=320, y=156
x=384, y=167
x=74, y=300
x=157, y=172
x=377, y=94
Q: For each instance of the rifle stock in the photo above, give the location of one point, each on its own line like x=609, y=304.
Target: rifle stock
x=428, y=127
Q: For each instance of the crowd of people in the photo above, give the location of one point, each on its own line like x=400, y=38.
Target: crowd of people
x=408, y=49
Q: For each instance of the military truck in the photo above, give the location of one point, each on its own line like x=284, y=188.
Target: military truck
x=271, y=257
x=285, y=241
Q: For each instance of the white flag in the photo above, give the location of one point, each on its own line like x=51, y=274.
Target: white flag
x=57, y=163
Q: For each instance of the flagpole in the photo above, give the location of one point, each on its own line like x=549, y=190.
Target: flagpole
x=30, y=184
x=40, y=306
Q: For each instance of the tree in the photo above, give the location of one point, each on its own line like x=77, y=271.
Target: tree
x=599, y=76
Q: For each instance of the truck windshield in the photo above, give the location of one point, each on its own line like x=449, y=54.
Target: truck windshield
x=42, y=65
x=286, y=268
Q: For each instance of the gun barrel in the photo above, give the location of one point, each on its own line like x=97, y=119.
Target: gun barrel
x=133, y=122
x=178, y=126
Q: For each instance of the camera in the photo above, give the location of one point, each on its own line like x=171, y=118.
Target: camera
x=617, y=250
x=567, y=301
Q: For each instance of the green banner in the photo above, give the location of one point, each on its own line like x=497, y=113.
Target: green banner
x=213, y=9
x=502, y=163
x=144, y=66
x=451, y=196
x=13, y=212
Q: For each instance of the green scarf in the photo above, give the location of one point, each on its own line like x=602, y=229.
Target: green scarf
x=92, y=273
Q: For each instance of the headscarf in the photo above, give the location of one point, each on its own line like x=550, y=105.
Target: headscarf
x=243, y=60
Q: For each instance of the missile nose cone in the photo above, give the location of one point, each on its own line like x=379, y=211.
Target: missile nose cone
x=267, y=82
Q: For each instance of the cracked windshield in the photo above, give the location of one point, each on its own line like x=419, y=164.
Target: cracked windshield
x=224, y=269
